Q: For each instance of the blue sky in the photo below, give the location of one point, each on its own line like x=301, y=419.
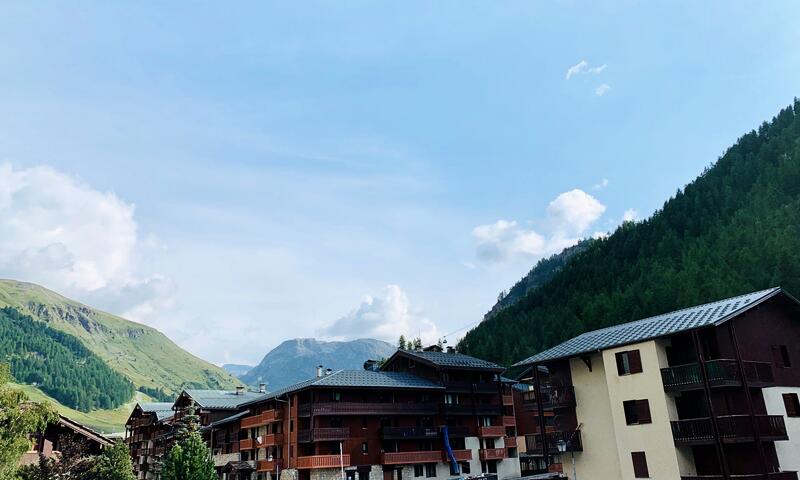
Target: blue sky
x=236, y=176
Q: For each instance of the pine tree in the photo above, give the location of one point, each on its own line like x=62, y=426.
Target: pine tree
x=401, y=343
x=188, y=424
x=189, y=460
x=114, y=464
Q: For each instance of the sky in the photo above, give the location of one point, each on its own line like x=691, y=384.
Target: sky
x=236, y=175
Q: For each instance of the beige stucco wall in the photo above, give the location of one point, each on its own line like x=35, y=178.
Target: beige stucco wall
x=599, y=458
x=655, y=439
x=788, y=450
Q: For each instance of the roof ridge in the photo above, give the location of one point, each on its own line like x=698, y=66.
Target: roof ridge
x=671, y=312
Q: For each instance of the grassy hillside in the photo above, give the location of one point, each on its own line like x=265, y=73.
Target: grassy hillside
x=144, y=355
x=735, y=229
x=104, y=421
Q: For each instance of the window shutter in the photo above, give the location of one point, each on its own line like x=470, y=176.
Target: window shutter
x=620, y=363
x=791, y=402
x=639, y=465
x=643, y=411
x=635, y=361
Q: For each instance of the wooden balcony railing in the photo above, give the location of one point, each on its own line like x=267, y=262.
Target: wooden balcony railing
x=508, y=400
x=247, y=444
x=721, y=373
x=265, y=418
x=479, y=387
x=552, y=397
x=509, y=421
x=322, y=461
x=461, y=455
x=269, y=465
x=478, y=409
x=355, y=408
x=492, y=431
x=732, y=428
x=323, y=434
x=408, y=458
x=572, y=442
x=492, y=454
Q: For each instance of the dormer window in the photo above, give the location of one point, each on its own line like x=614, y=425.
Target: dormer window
x=411, y=363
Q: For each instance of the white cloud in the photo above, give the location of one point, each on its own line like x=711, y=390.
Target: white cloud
x=583, y=68
x=385, y=317
x=630, y=215
x=575, y=210
x=601, y=184
x=57, y=231
x=602, y=89
x=568, y=217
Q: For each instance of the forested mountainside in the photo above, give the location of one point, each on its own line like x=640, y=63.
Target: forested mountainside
x=540, y=274
x=58, y=364
x=296, y=360
x=142, y=354
x=734, y=229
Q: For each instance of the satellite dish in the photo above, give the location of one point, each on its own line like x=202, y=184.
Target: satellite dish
x=258, y=439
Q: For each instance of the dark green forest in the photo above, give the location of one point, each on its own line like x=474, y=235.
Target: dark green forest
x=59, y=364
x=734, y=229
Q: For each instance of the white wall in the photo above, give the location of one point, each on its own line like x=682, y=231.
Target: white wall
x=788, y=451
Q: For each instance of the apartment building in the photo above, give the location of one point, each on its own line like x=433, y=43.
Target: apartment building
x=708, y=392
x=147, y=433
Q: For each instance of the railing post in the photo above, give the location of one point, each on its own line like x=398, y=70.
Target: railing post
x=723, y=461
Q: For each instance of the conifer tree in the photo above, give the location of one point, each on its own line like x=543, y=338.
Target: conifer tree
x=190, y=459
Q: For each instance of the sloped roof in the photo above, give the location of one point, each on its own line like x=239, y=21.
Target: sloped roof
x=706, y=315
x=84, y=430
x=358, y=379
x=162, y=410
x=449, y=360
x=222, y=399
x=223, y=421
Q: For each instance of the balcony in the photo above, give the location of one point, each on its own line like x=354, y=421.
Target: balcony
x=266, y=441
x=508, y=400
x=721, y=373
x=732, y=429
x=479, y=409
x=461, y=455
x=492, y=431
x=354, y=408
x=408, y=458
x=323, y=435
x=492, y=454
x=468, y=387
x=572, y=440
x=247, y=444
x=269, y=465
x=222, y=459
x=323, y=461
x=265, y=418
x=552, y=397
x=509, y=421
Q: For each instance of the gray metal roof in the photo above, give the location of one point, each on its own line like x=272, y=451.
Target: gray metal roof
x=225, y=420
x=709, y=314
x=358, y=379
x=451, y=360
x=222, y=399
x=161, y=409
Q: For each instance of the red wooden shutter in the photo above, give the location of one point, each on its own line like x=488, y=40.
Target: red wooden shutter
x=635, y=361
x=643, y=411
x=639, y=465
x=792, y=404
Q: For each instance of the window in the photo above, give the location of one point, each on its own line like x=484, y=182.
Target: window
x=430, y=470
x=364, y=448
x=337, y=396
x=629, y=362
x=637, y=412
x=486, y=421
x=411, y=363
x=336, y=422
x=792, y=404
x=456, y=470
x=291, y=425
x=780, y=355
x=464, y=467
x=364, y=422
x=419, y=470
x=450, y=399
x=639, y=465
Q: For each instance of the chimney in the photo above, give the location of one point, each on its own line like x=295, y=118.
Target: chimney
x=371, y=365
x=451, y=350
x=328, y=371
x=262, y=388
x=319, y=371
x=239, y=390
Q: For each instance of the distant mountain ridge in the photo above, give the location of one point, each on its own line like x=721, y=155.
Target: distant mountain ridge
x=235, y=369
x=296, y=360
x=145, y=356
